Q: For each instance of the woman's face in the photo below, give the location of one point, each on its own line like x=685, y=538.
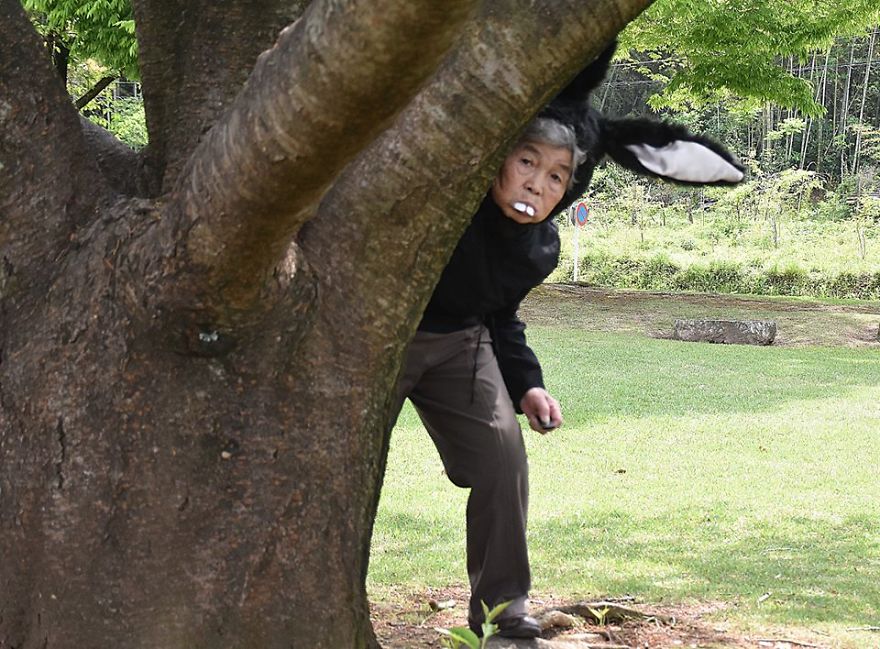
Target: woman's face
x=532, y=180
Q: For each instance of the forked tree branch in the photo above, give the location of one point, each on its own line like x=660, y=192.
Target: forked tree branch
x=194, y=57
x=332, y=82
x=45, y=168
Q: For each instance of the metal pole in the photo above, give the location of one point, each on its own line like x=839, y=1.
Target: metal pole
x=577, y=235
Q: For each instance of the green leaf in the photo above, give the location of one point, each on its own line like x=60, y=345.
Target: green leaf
x=738, y=47
x=102, y=30
x=461, y=635
x=495, y=612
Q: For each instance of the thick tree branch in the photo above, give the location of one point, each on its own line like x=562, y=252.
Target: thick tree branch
x=96, y=90
x=415, y=188
x=326, y=89
x=44, y=166
x=122, y=166
x=192, y=69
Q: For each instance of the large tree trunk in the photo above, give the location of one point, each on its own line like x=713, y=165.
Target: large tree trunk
x=197, y=347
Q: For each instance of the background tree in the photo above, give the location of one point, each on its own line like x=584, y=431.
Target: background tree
x=804, y=222
x=792, y=82
x=77, y=30
x=198, y=342
x=743, y=48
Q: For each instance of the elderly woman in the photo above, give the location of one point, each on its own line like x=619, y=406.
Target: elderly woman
x=469, y=369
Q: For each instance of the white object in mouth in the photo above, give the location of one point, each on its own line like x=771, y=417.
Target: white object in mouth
x=524, y=208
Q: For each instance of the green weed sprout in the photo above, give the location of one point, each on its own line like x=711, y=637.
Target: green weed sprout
x=599, y=615
x=462, y=635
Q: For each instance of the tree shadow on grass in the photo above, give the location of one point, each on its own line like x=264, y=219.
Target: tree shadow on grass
x=407, y=547
x=797, y=570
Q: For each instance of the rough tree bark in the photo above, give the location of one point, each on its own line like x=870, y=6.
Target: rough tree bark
x=197, y=345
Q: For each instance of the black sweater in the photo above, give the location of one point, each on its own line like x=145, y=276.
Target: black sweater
x=496, y=263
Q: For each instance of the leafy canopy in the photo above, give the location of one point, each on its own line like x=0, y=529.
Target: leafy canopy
x=721, y=48
x=716, y=48
x=92, y=29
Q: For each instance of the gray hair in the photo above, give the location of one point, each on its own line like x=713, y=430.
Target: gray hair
x=545, y=130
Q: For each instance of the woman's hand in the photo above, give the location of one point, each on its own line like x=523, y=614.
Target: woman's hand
x=542, y=410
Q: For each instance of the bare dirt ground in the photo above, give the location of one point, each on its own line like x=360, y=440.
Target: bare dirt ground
x=799, y=321
x=408, y=621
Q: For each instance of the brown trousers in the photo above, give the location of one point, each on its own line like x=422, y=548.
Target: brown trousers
x=454, y=382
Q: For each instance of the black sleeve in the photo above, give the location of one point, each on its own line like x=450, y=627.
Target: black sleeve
x=519, y=365
x=572, y=107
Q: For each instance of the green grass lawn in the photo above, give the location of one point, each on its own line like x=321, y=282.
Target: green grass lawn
x=684, y=473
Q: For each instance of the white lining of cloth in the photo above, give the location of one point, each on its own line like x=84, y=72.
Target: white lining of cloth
x=687, y=161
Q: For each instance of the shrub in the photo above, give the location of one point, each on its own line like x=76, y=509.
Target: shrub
x=658, y=273
x=717, y=277
x=847, y=284
x=128, y=122
x=790, y=280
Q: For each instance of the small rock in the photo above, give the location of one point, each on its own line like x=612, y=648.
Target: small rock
x=559, y=619
x=441, y=606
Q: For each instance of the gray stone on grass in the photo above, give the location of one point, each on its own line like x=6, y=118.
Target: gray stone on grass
x=731, y=332
x=560, y=642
